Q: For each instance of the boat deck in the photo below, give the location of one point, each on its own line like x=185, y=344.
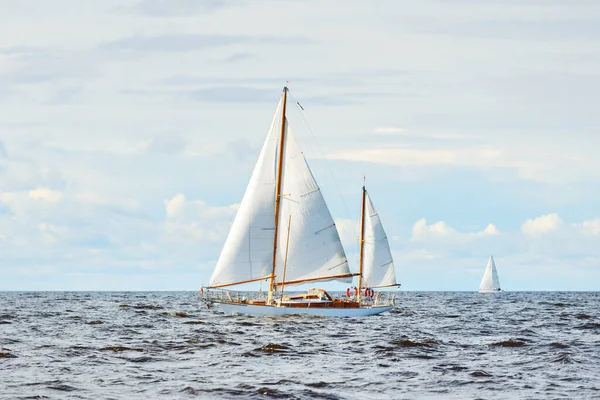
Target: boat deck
x=314, y=298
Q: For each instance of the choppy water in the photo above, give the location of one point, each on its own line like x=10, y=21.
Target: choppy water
x=101, y=345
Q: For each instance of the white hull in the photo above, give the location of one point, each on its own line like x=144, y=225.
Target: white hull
x=260, y=310
x=490, y=291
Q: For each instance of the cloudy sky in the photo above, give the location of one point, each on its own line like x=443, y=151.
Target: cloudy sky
x=129, y=130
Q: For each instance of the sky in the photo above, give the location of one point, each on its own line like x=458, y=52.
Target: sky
x=129, y=130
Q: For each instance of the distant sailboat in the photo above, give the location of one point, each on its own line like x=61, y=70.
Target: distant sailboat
x=490, y=282
x=283, y=233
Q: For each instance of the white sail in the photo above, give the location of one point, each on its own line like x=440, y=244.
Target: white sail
x=315, y=250
x=490, y=281
x=378, y=265
x=248, y=251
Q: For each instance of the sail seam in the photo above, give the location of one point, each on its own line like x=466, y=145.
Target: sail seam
x=335, y=266
x=324, y=229
x=312, y=191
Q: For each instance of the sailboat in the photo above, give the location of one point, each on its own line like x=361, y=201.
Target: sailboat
x=283, y=233
x=490, y=282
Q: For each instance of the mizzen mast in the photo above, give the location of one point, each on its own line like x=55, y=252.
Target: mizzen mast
x=362, y=242
x=278, y=194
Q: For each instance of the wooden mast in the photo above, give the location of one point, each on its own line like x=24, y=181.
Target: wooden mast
x=278, y=195
x=362, y=243
x=287, y=246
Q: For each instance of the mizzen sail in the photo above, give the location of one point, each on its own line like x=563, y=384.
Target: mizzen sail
x=378, y=265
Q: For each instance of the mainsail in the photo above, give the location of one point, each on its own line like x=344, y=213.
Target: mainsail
x=378, y=266
x=314, y=251
x=490, y=279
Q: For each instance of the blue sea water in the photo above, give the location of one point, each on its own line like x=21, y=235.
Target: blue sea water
x=446, y=345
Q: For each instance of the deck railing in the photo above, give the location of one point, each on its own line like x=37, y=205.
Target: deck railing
x=210, y=296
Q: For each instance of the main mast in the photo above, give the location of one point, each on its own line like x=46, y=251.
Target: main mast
x=362, y=242
x=278, y=195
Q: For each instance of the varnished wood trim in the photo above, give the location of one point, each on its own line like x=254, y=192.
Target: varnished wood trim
x=278, y=191
x=322, y=278
x=239, y=283
x=362, y=241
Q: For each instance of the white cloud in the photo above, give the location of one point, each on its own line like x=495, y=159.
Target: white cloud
x=440, y=230
x=126, y=204
x=45, y=194
x=536, y=164
x=387, y=130
x=421, y=230
x=542, y=225
x=171, y=8
x=591, y=227
x=196, y=221
x=179, y=207
x=51, y=234
x=491, y=230
x=175, y=205
x=409, y=156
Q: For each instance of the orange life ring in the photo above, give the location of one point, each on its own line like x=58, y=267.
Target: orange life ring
x=369, y=292
x=351, y=291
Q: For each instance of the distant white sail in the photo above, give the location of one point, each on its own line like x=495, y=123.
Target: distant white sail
x=490, y=281
x=378, y=265
x=315, y=248
x=248, y=251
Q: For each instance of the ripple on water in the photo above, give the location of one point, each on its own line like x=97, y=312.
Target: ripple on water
x=440, y=345
x=273, y=348
x=417, y=343
x=480, y=373
x=589, y=325
x=563, y=358
x=509, y=343
x=120, y=348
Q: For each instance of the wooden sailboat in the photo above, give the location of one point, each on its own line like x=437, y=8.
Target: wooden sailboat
x=284, y=233
x=490, y=282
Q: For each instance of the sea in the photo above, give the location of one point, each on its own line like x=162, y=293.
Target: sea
x=169, y=345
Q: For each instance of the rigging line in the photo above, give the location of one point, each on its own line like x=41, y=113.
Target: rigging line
x=301, y=109
x=319, y=148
